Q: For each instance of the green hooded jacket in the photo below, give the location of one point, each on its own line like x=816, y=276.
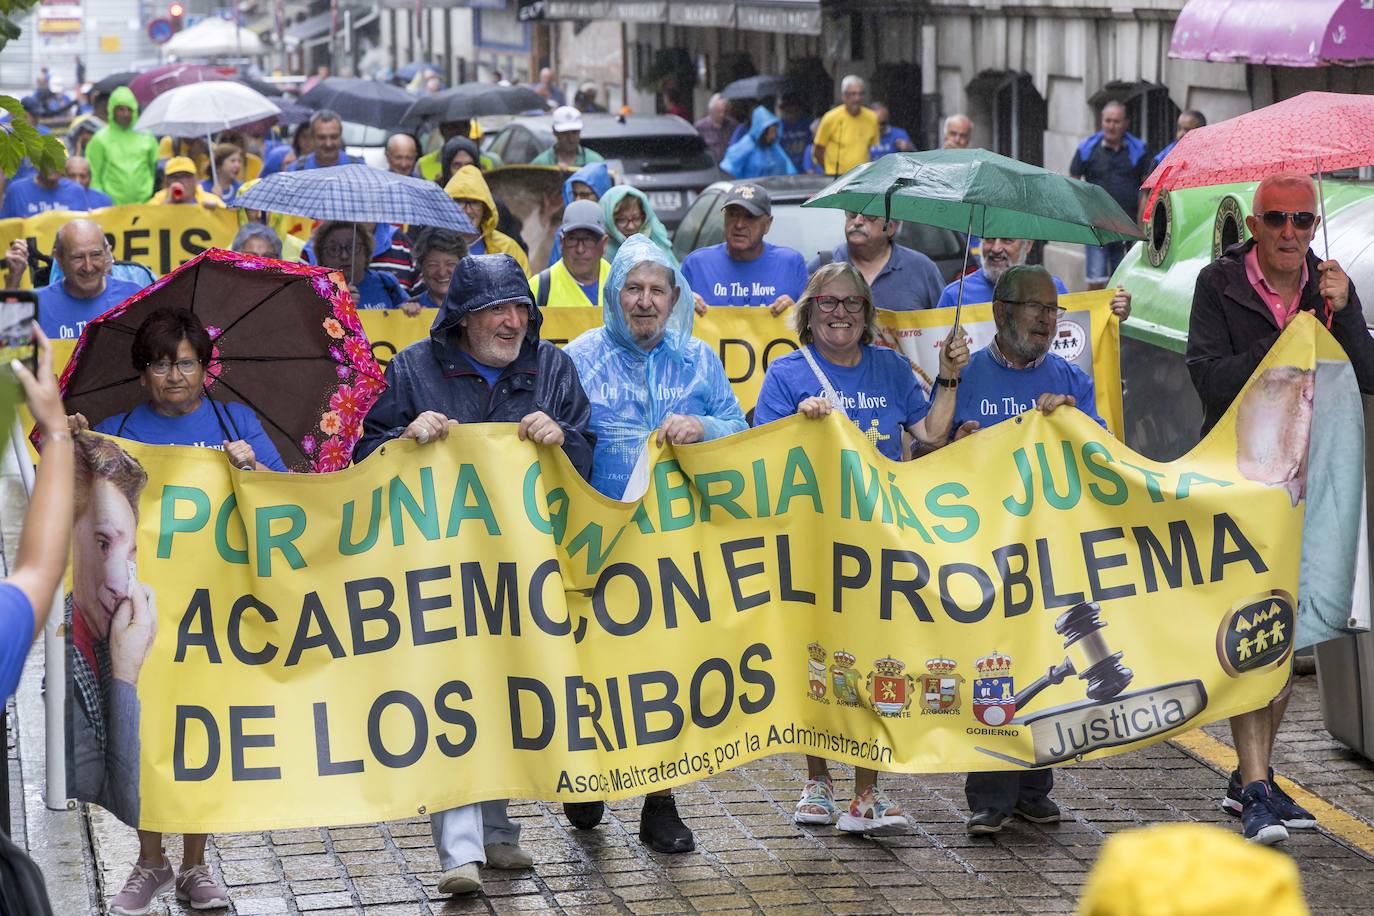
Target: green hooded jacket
x=123, y=160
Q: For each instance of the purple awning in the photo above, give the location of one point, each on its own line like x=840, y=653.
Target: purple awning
x=1281, y=33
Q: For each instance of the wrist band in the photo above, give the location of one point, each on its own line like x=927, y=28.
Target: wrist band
x=947, y=382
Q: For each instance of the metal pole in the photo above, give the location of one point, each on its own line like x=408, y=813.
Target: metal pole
x=54, y=662
x=968, y=243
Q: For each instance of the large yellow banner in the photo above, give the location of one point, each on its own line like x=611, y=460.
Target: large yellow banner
x=469, y=620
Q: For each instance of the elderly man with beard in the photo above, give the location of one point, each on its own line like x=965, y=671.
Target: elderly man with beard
x=483, y=362
x=902, y=279
x=645, y=373
x=1013, y=374
x=1241, y=304
x=998, y=256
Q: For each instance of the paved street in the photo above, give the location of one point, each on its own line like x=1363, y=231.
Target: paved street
x=751, y=857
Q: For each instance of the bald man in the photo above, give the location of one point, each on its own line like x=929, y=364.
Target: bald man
x=401, y=154
x=1241, y=304
x=78, y=169
x=85, y=290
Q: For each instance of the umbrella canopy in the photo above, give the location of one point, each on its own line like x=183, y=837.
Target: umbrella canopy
x=214, y=37
x=361, y=101
x=151, y=83
x=201, y=109
x=473, y=100
x=1309, y=133
x=269, y=320
x=980, y=192
x=755, y=87
x=357, y=194
x=111, y=83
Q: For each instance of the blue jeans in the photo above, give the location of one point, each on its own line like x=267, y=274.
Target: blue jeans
x=1101, y=261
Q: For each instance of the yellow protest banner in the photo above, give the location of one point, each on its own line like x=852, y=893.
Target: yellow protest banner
x=748, y=339
x=160, y=238
x=468, y=620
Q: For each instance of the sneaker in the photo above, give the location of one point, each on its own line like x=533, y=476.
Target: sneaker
x=142, y=888
x=584, y=815
x=873, y=812
x=1259, y=819
x=1038, y=810
x=661, y=829
x=1291, y=814
x=817, y=804
x=507, y=855
x=986, y=821
x=464, y=879
x=197, y=887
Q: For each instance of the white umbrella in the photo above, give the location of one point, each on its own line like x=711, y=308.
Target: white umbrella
x=203, y=109
x=214, y=37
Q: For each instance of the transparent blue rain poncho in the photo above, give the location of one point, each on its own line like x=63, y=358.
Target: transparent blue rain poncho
x=632, y=391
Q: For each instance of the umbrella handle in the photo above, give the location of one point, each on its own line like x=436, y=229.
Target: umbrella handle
x=896, y=186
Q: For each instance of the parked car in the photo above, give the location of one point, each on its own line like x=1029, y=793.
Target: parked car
x=807, y=231
x=662, y=155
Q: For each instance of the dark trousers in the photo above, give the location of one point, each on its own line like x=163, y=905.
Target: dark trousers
x=1002, y=790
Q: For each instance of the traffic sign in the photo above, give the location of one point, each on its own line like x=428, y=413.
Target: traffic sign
x=160, y=30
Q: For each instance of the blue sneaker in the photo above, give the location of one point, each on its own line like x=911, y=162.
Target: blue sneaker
x=1291, y=814
x=1258, y=818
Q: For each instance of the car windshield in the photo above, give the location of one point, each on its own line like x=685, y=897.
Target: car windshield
x=807, y=231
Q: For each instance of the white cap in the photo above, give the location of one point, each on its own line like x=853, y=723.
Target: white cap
x=566, y=118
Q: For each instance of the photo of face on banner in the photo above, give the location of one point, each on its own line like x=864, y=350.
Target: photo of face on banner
x=111, y=621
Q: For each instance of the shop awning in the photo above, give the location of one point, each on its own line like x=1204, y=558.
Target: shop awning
x=797, y=17
x=621, y=10
x=1280, y=33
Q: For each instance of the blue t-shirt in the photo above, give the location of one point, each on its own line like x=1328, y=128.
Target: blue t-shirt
x=720, y=280
x=27, y=198
x=308, y=162
x=228, y=199
x=590, y=290
x=97, y=199
x=478, y=247
x=880, y=394
x=63, y=316
x=425, y=300
x=379, y=290
x=490, y=373
x=977, y=288
x=16, y=635
x=205, y=427
x=887, y=143
x=990, y=392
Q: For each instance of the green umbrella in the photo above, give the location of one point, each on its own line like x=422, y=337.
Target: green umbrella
x=980, y=193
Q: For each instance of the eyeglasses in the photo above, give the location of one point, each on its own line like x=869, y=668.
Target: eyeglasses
x=580, y=241
x=183, y=366
x=336, y=250
x=628, y=224
x=852, y=304
x=1275, y=219
x=1031, y=305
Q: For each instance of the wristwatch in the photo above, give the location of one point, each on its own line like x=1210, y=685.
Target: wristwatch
x=947, y=382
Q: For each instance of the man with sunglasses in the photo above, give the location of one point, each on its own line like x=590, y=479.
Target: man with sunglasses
x=1013, y=374
x=1241, y=304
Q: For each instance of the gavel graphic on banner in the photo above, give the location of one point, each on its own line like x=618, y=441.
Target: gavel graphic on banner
x=1097, y=665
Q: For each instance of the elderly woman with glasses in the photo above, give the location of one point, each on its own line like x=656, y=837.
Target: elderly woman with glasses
x=839, y=370
x=170, y=353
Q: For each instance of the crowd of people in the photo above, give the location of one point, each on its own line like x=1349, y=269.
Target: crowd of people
x=485, y=361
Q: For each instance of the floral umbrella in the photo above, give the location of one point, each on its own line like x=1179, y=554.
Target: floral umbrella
x=287, y=343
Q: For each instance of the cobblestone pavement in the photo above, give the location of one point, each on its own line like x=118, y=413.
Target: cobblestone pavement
x=751, y=857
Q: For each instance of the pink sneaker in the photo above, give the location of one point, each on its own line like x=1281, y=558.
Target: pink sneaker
x=197, y=887
x=142, y=888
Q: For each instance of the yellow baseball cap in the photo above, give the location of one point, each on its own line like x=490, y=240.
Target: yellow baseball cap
x=179, y=165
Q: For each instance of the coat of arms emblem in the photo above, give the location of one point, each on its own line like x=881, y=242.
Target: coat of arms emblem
x=890, y=689
x=844, y=679
x=994, y=694
x=940, y=687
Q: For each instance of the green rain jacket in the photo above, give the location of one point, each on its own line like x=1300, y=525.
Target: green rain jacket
x=123, y=160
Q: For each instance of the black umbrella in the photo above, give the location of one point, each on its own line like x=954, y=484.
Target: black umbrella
x=755, y=87
x=269, y=89
x=361, y=101
x=473, y=100
x=112, y=82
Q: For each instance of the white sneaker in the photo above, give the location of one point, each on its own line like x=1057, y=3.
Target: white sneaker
x=507, y=855
x=461, y=880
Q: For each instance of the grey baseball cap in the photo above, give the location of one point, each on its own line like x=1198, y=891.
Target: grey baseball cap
x=751, y=197
x=582, y=214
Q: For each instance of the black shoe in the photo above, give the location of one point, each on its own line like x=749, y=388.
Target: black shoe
x=1038, y=810
x=1259, y=819
x=986, y=821
x=1291, y=814
x=661, y=829
x=584, y=815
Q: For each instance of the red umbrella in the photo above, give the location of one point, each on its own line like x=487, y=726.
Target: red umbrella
x=150, y=84
x=1311, y=133
x=287, y=343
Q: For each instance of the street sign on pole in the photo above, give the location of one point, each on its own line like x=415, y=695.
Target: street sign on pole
x=160, y=30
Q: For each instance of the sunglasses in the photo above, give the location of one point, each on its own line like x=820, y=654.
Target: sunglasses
x=1302, y=219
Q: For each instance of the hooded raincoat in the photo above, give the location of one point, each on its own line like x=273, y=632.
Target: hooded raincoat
x=653, y=227
x=123, y=160
x=594, y=175
x=468, y=184
x=436, y=374
x=633, y=391
x=750, y=158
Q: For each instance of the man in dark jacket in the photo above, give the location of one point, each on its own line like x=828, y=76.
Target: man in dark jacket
x=1241, y=305
x=483, y=363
